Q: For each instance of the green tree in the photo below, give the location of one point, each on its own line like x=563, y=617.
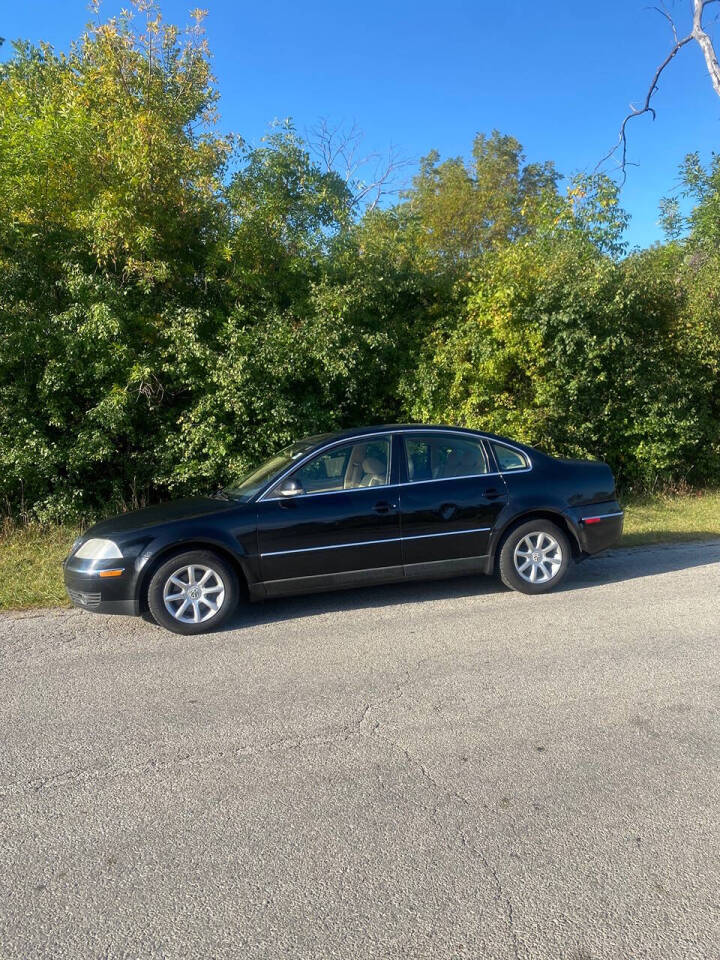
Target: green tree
x=467, y=208
x=564, y=346
x=696, y=246
x=175, y=304
x=325, y=318
x=111, y=210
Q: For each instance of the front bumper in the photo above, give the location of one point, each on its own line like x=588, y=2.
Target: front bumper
x=87, y=590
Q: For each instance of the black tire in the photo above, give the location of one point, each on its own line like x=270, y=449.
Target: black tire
x=223, y=583
x=547, y=562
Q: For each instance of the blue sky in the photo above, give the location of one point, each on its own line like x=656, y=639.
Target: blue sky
x=420, y=75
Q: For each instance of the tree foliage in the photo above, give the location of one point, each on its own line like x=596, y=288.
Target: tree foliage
x=467, y=209
x=563, y=347
x=175, y=304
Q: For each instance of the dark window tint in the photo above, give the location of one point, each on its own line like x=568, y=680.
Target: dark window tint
x=509, y=459
x=443, y=456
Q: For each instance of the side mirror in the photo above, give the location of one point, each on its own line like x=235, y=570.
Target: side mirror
x=290, y=488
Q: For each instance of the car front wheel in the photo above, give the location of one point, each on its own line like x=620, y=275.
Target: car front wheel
x=193, y=592
x=534, y=557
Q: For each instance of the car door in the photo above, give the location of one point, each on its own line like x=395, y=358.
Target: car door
x=340, y=526
x=449, y=502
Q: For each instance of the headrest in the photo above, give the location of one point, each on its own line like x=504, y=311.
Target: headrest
x=374, y=466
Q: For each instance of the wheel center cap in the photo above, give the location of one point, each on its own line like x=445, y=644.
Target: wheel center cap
x=536, y=557
x=194, y=593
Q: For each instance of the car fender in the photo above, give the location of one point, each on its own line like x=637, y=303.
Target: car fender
x=241, y=550
x=515, y=511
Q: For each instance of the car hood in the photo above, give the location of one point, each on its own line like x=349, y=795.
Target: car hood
x=184, y=509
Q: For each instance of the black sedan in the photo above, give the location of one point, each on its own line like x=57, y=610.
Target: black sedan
x=359, y=507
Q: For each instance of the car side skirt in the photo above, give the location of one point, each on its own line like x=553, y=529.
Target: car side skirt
x=433, y=570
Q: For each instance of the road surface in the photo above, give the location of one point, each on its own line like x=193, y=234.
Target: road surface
x=430, y=771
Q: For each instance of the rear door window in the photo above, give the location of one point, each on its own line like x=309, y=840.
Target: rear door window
x=444, y=457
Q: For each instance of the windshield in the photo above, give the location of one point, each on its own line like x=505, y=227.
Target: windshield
x=252, y=482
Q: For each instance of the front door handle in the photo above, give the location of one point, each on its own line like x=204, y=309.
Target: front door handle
x=384, y=506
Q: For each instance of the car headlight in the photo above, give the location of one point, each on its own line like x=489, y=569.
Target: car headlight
x=96, y=549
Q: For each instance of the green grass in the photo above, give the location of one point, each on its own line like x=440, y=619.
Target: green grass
x=668, y=519
x=30, y=573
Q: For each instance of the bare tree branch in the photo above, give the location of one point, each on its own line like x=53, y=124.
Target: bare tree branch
x=370, y=176
x=706, y=45
x=645, y=108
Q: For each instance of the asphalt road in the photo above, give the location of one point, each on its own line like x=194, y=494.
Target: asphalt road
x=428, y=771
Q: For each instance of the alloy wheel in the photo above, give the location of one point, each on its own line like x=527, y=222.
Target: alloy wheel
x=537, y=557
x=194, y=593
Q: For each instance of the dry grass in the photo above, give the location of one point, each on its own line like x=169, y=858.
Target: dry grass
x=30, y=557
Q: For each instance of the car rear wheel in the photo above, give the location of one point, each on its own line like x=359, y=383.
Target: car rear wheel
x=534, y=557
x=193, y=592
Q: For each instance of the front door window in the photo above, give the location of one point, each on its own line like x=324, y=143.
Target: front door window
x=346, y=467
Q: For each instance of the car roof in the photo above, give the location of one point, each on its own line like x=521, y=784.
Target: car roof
x=349, y=433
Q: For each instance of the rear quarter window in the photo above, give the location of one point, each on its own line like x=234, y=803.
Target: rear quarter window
x=509, y=459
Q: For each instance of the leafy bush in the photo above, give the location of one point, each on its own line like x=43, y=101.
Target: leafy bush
x=586, y=356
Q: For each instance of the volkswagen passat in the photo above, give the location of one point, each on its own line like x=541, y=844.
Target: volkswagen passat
x=359, y=507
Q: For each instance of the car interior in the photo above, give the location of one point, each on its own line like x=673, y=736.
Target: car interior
x=347, y=468
x=439, y=458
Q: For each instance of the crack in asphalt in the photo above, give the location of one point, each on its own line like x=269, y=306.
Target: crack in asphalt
x=337, y=734
x=502, y=899
x=397, y=694
x=86, y=774
x=340, y=734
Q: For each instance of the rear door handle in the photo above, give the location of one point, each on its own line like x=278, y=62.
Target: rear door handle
x=384, y=506
x=492, y=493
